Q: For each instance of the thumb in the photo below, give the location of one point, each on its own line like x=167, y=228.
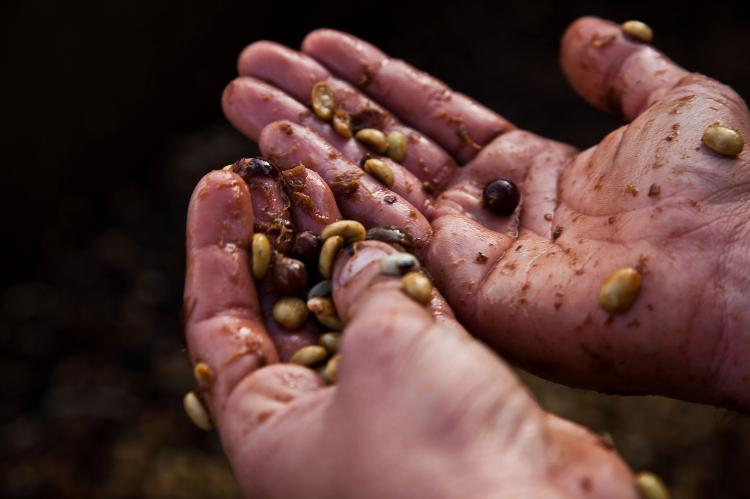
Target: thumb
x=613, y=69
x=416, y=374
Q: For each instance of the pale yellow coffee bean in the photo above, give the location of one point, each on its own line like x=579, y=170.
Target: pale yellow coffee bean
x=638, y=31
x=290, y=313
x=342, y=123
x=650, y=486
x=331, y=371
x=351, y=230
x=417, y=286
x=331, y=342
x=620, y=290
x=380, y=170
x=309, y=355
x=322, y=101
x=723, y=140
x=261, y=251
x=397, y=146
x=328, y=253
x=373, y=138
x=196, y=411
x=324, y=310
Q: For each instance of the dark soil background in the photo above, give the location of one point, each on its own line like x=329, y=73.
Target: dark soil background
x=113, y=110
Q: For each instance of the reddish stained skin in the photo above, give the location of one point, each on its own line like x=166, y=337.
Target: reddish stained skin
x=255, y=401
x=668, y=109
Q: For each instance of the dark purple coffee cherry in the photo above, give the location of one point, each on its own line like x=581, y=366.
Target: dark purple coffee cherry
x=289, y=275
x=501, y=196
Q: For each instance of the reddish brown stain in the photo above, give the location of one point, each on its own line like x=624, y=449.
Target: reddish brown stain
x=632, y=190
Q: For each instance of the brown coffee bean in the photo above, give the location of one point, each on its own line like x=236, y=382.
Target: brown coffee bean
x=289, y=275
x=306, y=246
x=501, y=196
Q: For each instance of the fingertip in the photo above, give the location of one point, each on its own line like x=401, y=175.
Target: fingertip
x=355, y=272
x=613, y=71
x=270, y=134
x=321, y=37
x=341, y=52
x=590, y=50
x=235, y=107
x=220, y=196
x=255, y=53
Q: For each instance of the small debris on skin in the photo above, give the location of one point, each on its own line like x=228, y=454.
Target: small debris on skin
x=481, y=258
x=367, y=118
x=632, y=190
x=654, y=190
x=557, y=233
x=389, y=199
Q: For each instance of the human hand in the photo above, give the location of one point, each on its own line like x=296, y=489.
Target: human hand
x=649, y=197
x=420, y=408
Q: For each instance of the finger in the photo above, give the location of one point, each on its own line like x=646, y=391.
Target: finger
x=269, y=199
x=456, y=122
x=312, y=203
x=381, y=317
x=613, y=71
x=353, y=278
x=359, y=196
x=251, y=105
x=392, y=343
x=223, y=324
x=296, y=74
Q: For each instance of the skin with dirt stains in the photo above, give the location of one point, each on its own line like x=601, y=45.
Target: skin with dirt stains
x=650, y=195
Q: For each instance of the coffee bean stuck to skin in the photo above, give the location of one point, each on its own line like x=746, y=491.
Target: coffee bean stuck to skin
x=418, y=287
x=638, y=30
x=723, y=140
x=322, y=101
x=620, y=290
x=501, y=196
x=342, y=123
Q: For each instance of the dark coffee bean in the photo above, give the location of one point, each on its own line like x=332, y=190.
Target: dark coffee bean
x=390, y=235
x=250, y=167
x=501, y=196
x=289, y=275
x=364, y=159
x=306, y=246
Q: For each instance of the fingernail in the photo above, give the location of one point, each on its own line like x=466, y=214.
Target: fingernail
x=364, y=253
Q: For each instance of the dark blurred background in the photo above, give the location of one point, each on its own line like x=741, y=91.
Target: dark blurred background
x=112, y=115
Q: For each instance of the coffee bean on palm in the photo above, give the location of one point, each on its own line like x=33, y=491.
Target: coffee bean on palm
x=501, y=196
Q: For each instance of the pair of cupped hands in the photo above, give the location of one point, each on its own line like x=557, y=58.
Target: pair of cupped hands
x=421, y=408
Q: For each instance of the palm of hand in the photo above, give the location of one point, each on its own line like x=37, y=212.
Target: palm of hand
x=649, y=196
